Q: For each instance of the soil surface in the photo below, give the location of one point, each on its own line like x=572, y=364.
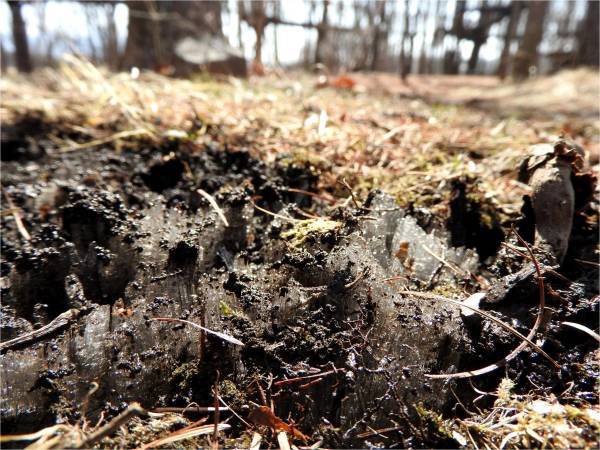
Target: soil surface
x=314, y=282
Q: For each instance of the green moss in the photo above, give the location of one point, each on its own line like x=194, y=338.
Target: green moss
x=433, y=423
x=303, y=157
x=234, y=397
x=183, y=376
x=225, y=309
x=303, y=229
x=447, y=290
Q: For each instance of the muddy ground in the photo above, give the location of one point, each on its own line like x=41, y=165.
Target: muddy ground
x=122, y=236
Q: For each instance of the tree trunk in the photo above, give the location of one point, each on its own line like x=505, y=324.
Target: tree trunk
x=155, y=27
x=588, y=36
x=422, y=67
x=258, y=22
x=516, y=8
x=452, y=56
x=322, y=34
x=110, y=45
x=527, y=55
x=404, y=66
x=19, y=31
x=474, y=59
x=438, y=38
x=378, y=34
x=3, y=59
x=140, y=51
x=480, y=34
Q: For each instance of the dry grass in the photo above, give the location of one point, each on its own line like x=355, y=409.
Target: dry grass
x=529, y=421
x=374, y=139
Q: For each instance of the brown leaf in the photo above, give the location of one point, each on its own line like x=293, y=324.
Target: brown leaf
x=342, y=82
x=263, y=415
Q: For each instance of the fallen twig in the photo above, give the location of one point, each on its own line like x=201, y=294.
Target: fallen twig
x=186, y=433
x=228, y=408
x=329, y=200
x=61, y=321
x=359, y=277
x=114, y=137
x=377, y=432
x=307, y=377
x=344, y=183
x=223, y=336
x=133, y=410
x=279, y=216
x=526, y=340
x=583, y=328
x=189, y=410
x=16, y=212
x=460, y=272
x=213, y=203
x=549, y=270
x=589, y=263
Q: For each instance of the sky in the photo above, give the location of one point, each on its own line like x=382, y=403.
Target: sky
x=68, y=20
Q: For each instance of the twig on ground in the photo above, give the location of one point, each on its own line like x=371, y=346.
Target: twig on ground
x=133, y=410
x=344, y=183
x=377, y=432
x=112, y=138
x=307, y=377
x=589, y=263
x=279, y=216
x=189, y=410
x=458, y=271
x=583, y=328
x=330, y=200
x=57, y=324
x=223, y=336
x=215, y=439
x=196, y=429
x=359, y=277
x=526, y=339
x=549, y=270
x=214, y=205
x=228, y=408
x=16, y=212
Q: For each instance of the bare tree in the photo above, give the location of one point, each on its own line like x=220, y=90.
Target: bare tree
x=404, y=60
x=19, y=32
x=156, y=26
x=527, y=55
x=254, y=13
x=516, y=8
x=588, y=36
x=380, y=34
x=3, y=59
x=479, y=35
x=426, y=15
x=452, y=56
x=277, y=16
x=108, y=36
x=322, y=34
x=258, y=21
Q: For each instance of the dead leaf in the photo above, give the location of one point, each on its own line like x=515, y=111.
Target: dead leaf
x=342, y=82
x=263, y=415
x=402, y=252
